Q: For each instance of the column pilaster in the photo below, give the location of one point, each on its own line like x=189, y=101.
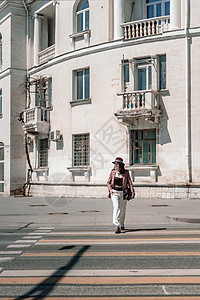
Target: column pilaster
x=118, y=19
x=175, y=14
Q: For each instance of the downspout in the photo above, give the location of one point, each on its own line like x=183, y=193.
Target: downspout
x=188, y=93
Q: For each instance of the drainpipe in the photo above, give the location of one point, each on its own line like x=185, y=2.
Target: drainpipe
x=188, y=93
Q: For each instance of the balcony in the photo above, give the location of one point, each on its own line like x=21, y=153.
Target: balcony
x=36, y=120
x=139, y=104
x=146, y=27
x=46, y=54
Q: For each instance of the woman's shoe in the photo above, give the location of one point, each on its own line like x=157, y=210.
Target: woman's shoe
x=122, y=228
x=118, y=230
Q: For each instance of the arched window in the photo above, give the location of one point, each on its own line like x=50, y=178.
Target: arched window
x=82, y=16
x=1, y=167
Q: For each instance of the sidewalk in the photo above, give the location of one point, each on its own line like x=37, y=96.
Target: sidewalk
x=86, y=212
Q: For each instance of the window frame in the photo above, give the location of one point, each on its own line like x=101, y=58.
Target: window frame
x=2, y=162
x=42, y=152
x=1, y=103
x=87, y=153
x=160, y=73
x=82, y=12
x=154, y=3
x=75, y=84
x=141, y=141
x=146, y=66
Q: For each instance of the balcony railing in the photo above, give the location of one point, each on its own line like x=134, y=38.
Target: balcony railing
x=46, y=54
x=36, y=120
x=146, y=27
x=138, y=100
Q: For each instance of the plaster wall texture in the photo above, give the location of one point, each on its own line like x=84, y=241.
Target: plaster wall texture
x=108, y=138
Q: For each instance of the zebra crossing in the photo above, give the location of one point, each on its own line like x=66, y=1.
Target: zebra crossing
x=93, y=264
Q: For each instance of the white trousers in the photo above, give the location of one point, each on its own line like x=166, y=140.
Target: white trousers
x=119, y=208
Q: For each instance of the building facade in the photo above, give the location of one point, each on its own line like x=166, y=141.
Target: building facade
x=85, y=81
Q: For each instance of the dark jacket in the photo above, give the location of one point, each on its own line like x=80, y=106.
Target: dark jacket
x=126, y=182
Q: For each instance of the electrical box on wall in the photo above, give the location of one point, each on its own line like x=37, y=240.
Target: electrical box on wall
x=55, y=136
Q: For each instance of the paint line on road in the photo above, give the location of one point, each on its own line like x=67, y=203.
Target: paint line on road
x=46, y=228
x=33, y=237
x=39, y=233
x=101, y=280
x=42, y=231
x=103, y=273
x=10, y=252
x=25, y=241
x=117, y=242
x=19, y=246
x=126, y=232
x=109, y=254
x=2, y=259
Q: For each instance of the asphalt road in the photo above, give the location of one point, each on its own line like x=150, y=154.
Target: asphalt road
x=91, y=263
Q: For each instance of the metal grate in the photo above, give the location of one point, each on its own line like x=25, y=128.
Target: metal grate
x=43, y=153
x=81, y=149
x=30, y=115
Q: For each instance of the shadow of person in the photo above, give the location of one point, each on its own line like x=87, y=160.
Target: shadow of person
x=45, y=287
x=143, y=229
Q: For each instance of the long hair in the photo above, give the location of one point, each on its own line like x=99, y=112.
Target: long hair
x=121, y=168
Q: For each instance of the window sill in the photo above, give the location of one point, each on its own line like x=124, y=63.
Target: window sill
x=80, y=102
x=80, y=169
x=153, y=169
x=79, y=34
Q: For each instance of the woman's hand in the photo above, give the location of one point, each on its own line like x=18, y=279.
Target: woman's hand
x=133, y=195
x=111, y=192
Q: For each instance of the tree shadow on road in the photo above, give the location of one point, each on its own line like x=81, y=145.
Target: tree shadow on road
x=45, y=287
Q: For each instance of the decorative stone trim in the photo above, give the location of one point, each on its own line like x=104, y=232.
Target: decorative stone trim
x=75, y=170
x=80, y=102
x=151, y=168
x=83, y=34
x=44, y=170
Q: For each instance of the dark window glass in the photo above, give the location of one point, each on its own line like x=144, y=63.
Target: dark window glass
x=143, y=146
x=80, y=85
x=162, y=83
x=87, y=83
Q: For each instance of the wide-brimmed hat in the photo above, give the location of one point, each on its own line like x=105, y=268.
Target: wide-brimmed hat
x=119, y=160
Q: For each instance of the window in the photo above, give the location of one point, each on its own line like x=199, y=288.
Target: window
x=81, y=149
x=82, y=16
x=157, y=8
x=1, y=110
x=44, y=93
x=126, y=74
x=0, y=50
x=1, y=167
x=162, y=72
x=144, y=74
x=143, y=146
x=81, y=80
x=43, y=153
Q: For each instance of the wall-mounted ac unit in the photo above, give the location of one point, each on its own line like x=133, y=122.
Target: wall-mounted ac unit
x=55, y=136
x=28, y=140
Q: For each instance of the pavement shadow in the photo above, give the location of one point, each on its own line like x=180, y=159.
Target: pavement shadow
x=43, y=289
x=143, y=229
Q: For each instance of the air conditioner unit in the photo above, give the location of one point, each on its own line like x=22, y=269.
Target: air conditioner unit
x=55, y=136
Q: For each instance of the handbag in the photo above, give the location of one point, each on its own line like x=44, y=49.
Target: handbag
x=127, y=194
